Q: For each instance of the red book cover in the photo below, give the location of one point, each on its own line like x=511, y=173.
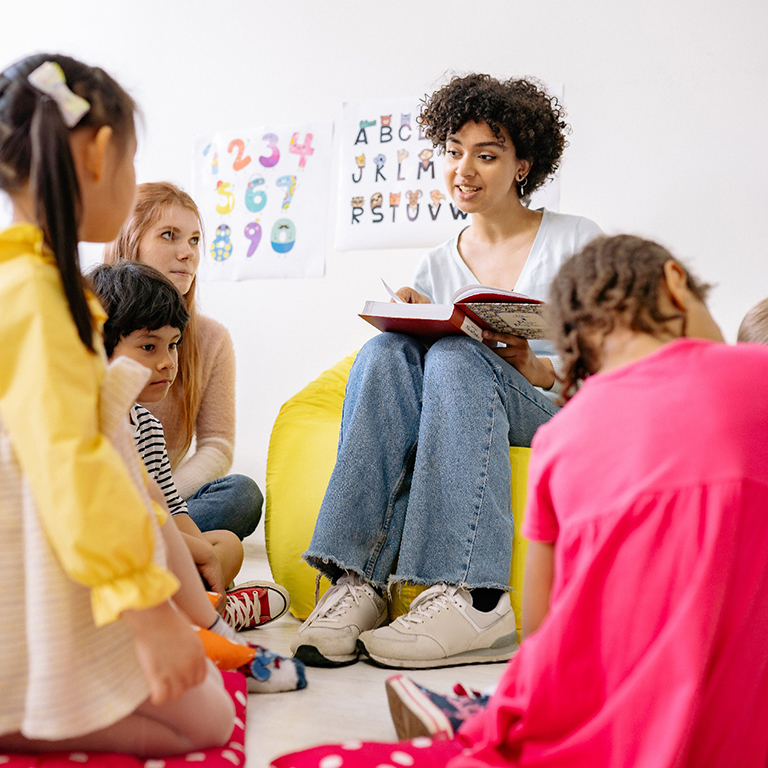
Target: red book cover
x=475, y=308
x=427, y=321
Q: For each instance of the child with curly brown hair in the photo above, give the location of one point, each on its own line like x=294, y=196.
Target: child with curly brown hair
x=645, y=574
x=421, y=487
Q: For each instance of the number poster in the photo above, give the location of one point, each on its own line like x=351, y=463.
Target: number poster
x=263, y=195
x=391, y=188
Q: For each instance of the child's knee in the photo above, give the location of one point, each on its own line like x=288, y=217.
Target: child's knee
x=224, y=538
x=246, y=504
x=229, y=551
x=249, y=491
x=217, y=715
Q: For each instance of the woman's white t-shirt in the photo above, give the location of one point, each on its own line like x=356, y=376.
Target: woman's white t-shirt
x=443, y=271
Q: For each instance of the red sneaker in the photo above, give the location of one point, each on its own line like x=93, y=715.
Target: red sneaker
x=255, y=603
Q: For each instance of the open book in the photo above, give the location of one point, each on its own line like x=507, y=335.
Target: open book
x=475, y=308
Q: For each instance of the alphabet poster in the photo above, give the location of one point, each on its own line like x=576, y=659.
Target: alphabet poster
x=263, y=194
x=391, y=188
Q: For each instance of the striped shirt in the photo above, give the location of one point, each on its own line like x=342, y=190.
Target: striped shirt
x=150, y=442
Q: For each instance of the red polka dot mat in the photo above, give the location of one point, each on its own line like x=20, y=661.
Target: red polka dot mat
x=420, y=752
x=230, y=756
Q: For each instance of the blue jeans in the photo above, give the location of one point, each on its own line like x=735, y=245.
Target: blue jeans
x=231, y=503
x=421, y=487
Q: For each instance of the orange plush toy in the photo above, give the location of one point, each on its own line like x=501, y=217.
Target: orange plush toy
x=265, y=672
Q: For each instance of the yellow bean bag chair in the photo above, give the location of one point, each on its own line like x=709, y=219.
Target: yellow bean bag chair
x=300, y=459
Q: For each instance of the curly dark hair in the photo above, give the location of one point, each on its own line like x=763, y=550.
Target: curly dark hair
x=610, y=277
x=534, y=120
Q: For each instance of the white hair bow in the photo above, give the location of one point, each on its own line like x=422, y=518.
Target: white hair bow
x=49, y=78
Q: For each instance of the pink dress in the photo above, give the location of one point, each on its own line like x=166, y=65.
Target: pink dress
x=653, y=481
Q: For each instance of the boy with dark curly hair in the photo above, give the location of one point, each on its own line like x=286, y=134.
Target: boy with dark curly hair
x=420, y=491
x=147, y=317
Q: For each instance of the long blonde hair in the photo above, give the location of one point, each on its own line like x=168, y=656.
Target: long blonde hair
x=152, y=200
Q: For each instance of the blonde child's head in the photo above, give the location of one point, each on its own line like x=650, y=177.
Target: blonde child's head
x=754, y=326
x=622, y=281
x=155, y=202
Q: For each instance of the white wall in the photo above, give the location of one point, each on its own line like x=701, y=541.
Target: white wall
x=666, y=99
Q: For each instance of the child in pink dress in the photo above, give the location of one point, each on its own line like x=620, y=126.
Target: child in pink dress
x=648, y=519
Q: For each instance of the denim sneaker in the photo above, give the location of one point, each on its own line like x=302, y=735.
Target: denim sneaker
x=418, y=711
x=328, y=638
x=443, y=629
x=255, y=603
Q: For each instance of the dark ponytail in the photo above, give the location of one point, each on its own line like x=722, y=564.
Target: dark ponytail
x=54, y=187
x=35, y=150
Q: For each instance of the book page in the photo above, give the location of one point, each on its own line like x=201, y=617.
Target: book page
x=517, y=318
x=488, y=293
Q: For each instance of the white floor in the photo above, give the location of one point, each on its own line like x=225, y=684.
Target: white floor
x=338, y=704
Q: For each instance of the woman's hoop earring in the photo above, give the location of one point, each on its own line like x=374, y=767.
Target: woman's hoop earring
x=521, y=186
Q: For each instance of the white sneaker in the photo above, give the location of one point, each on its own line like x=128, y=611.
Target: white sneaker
x=443, y=629
x=328, y=638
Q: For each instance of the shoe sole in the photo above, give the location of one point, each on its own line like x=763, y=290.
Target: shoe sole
x=413, y=714
x=270, y=586
x=481, y=656
x=313, y=658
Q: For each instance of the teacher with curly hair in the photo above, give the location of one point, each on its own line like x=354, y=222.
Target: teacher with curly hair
x=420, y=491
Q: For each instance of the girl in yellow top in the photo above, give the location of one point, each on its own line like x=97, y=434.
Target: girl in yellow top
x=93, y=655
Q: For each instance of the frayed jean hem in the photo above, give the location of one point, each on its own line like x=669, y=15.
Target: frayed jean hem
x=398, y=581
x=333, y=569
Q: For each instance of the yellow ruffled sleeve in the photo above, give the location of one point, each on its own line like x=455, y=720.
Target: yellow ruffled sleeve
x=92, y=512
